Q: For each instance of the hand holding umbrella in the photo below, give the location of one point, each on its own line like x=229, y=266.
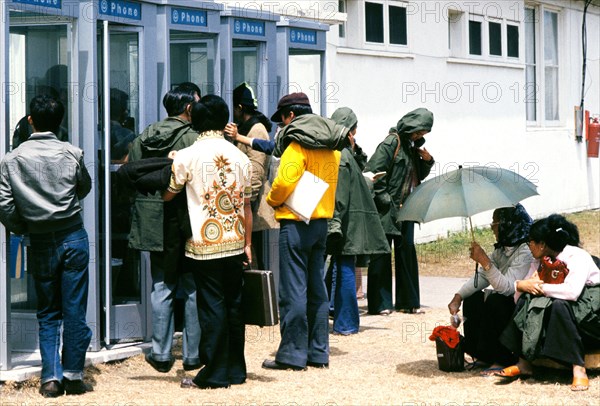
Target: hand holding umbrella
x=479, y=256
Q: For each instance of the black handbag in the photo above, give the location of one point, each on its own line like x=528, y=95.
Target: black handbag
x=450, y=359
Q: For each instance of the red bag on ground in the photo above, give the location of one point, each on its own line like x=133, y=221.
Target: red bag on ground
x=450, y=355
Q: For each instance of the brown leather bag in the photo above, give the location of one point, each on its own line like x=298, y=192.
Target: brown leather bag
x=553, y=272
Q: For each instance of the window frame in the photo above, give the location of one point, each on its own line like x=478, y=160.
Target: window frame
x=459, y=37
x=510, y=23
x=383, y=27
x=386, y=45
x=540, y=66
x=500, y=22
x=342, y=34
x=482, y=35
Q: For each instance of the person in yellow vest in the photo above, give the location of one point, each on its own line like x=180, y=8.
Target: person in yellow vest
x=308, y=142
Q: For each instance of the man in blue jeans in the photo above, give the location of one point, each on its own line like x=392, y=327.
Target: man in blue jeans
x=41, y=184
x=160, y=228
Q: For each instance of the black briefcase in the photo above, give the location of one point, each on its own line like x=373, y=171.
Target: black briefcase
x=259, y=299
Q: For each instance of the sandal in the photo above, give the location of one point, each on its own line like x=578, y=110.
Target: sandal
x=580, y=384
x=490, y=371
x=512, y=373
x=413, y=310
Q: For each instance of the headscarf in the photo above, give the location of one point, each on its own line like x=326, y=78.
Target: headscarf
x=513, y=227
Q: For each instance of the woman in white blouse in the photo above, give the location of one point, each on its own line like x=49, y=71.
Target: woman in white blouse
x=555, y=320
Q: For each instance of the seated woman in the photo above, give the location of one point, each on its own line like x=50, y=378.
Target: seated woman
x=555, y=320
x=486, y=316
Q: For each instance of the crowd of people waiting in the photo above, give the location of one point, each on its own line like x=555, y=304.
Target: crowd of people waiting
x=201, y=219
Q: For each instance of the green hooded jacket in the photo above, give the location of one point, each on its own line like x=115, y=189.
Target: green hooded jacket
x=355, y=228
x=312, y=132
x=390, y=191
x=147, y=225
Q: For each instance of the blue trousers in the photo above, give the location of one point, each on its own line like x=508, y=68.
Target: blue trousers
x=303, y=299
x=59, y=264
x=346, y=319
x=163, y=321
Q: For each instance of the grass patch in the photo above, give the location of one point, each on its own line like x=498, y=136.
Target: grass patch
x=588, y=223
x=455, y=245
x=450, y=256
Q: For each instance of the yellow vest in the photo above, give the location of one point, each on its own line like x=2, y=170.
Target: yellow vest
x=323, y=163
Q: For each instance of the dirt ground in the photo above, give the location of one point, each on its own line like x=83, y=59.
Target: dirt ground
x=390, y=362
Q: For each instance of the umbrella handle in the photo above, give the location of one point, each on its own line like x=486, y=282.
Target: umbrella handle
x=476, y=279
x=471, y=226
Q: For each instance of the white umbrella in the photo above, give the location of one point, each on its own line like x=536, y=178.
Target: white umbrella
x=465, y=192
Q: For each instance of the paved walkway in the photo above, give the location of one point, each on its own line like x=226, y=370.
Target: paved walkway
x=436, y=292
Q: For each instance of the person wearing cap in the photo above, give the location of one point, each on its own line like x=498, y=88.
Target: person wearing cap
x=162, y=229
x=354, y=231
x=252, y=124
x=306, y=143
x=406, y=163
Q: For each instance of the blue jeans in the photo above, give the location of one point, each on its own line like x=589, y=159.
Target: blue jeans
x=163, y=320
x=59, y=264
x=343, y=287
x=303, y=301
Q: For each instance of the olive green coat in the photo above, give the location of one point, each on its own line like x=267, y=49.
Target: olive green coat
x=390, y=191
x=157, y=140
x=355, y=228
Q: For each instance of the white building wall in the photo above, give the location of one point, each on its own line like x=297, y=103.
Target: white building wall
x=478, y=103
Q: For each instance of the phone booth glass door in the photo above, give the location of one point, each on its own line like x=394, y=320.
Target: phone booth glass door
x=121, y=268
x=193, y=60
x=246, y=63
x=39, y=64
x=305, y=76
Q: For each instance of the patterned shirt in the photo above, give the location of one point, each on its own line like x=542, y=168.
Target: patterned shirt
x=217, y=177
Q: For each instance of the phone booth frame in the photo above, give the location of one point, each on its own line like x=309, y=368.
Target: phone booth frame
x=62, y=12
x=261, y=29
x=203, y=19
x=302, y=35
x=144, y=24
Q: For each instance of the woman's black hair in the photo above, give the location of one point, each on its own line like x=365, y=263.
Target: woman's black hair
x=210, y=114
x=555, y=231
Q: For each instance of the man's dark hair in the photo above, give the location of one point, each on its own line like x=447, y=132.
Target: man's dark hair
x=211, y=113
x=298, y=109
x=46, y=113
x=190, y=87
x=177, y=99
